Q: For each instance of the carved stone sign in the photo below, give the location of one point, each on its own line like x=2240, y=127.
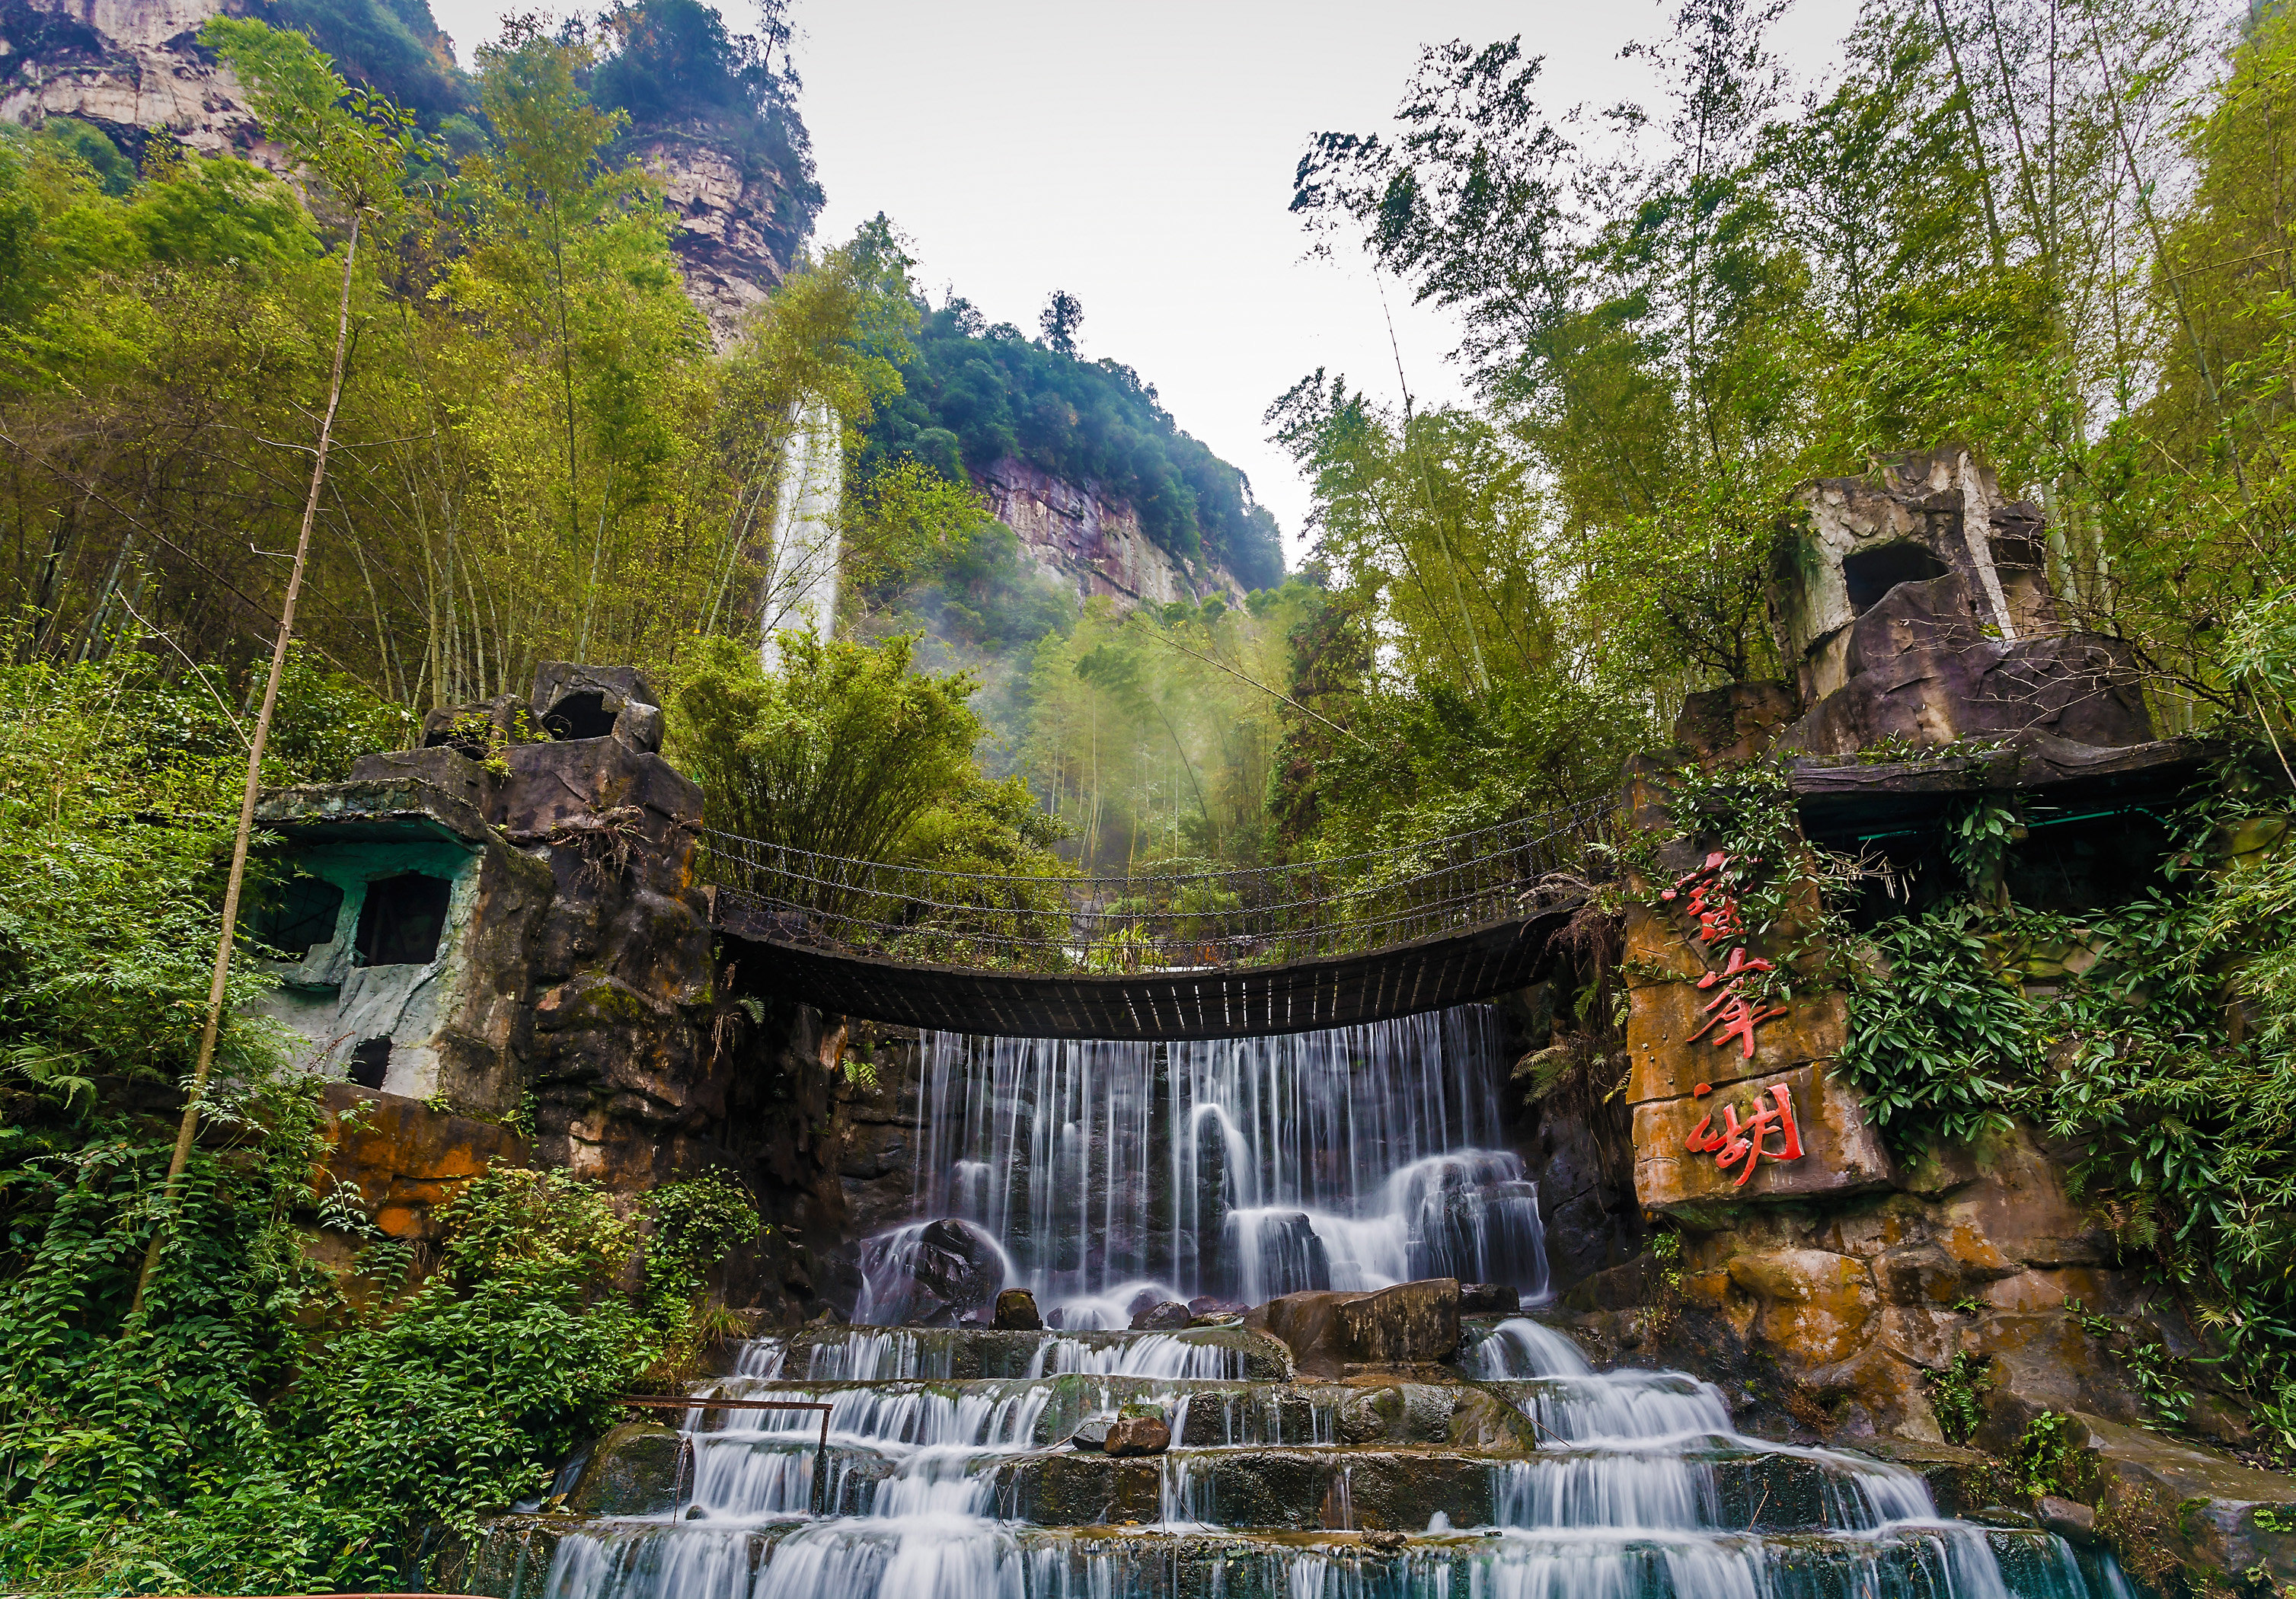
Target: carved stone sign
x=1732, y=1099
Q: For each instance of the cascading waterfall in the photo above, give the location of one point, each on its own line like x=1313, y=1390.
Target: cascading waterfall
x=1239, y=1169
x=951, y=1473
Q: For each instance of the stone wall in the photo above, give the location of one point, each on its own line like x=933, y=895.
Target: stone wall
x=572, y=1013
x=1836, y=1289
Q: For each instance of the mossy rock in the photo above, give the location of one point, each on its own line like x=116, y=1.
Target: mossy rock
x=639, y=1469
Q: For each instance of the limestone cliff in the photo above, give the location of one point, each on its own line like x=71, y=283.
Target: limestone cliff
x=1077, y=536
x=128, y=66
x=738, y=221
x=134, y=67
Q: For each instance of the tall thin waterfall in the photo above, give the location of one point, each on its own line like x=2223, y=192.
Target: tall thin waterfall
x=801, y=584
x=1241, y=1169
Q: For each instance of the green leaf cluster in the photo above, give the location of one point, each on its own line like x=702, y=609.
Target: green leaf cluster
x=972, y=397
x=269, y=1425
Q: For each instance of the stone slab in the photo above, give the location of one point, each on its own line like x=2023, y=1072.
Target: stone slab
x=1841, y=1152
x=1668, y=1058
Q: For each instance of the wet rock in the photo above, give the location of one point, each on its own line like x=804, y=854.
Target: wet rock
x=1962, y=1481
x=1330, y=1333
x=1137, y=1435
x=636, y=1471
x=2068, y=1520
x=1205, y=1304
x=1092, y=1434
x=933, y=1275
x=1016, y=1311
x=1489, y=1299
x=965, y=1354
x=1290, y=1255
x=1619, y=1288
x=1308, y=1324
x=1168, y=1315
x=1409, y=1322
x=1815, y=1302
x=2183, y=1501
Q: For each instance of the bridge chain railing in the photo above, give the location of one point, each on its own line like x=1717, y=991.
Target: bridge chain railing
x=1143, y=922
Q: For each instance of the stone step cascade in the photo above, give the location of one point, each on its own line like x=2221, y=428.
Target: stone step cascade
x=962, y=1464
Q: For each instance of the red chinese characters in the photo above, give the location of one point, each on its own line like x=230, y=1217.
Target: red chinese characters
x=1716, y=912
x=1742, y=1144
x=1734, y=1016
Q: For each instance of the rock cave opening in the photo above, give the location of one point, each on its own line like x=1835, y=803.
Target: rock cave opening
x=579, y=716
x=1870, y=574
x=370, y=1062
x=296, y=916
x=402, y=919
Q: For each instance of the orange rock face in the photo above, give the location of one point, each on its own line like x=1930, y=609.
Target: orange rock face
x=410, y=1160
x=1840, y=1152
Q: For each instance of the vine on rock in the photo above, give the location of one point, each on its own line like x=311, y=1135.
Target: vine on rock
x=2158, y=1035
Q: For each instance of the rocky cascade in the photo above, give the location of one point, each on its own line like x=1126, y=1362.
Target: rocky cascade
x=1337, y=1441
x=971, y=1463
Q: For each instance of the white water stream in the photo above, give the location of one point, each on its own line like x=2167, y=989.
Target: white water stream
x=1239, y=1169
x=949, y=1471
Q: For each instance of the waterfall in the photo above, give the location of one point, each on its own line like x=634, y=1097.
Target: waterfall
x=802, y=582
x=957, y=1463
x=1238, y=1168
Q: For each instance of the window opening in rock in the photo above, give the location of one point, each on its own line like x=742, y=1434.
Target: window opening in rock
x=580, y=716
x=370, y=1062
x=296, y=916
x=402, y=920
x=1872, y=573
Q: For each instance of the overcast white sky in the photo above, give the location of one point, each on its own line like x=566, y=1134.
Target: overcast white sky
x=1141, y=158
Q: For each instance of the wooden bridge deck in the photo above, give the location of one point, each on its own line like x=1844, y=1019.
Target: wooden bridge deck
x=1212, y=1002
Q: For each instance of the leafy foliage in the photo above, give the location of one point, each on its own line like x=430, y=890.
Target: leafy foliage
x=1940, y=1042
x=119, y=793
x=1957, y=1396
x=2159, y=1042
x=971, y=399
x=394, y=47
x=268, y=1423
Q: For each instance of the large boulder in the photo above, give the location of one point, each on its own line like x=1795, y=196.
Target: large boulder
x=1276, y=1251
x=1166, y=1315
x=1409, y=1323
x=635, y=1471
x=1489, y=1299
x=1137, y=1435
x=1016, y=1312
x=931, y=1275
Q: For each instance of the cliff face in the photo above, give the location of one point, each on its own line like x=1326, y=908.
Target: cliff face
x=134, y=66
x=129, y=66
x=734, y=234
x=1093, y=545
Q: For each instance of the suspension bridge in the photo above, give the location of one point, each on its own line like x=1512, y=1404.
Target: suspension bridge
x=1232, y=953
